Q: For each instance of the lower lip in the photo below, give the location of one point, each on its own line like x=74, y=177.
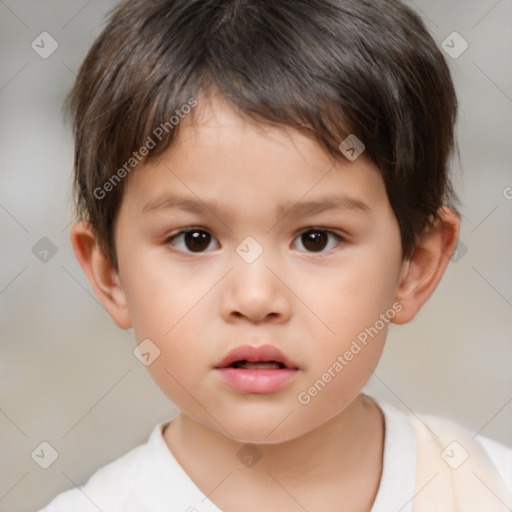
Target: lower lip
x=257, y=381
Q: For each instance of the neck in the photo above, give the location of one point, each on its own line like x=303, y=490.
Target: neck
x=346, y=452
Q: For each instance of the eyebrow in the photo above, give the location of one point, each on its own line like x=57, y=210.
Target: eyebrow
x=300, y=208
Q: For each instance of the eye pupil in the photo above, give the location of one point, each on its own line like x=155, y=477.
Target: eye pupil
x=314, y=240
x=197, y=241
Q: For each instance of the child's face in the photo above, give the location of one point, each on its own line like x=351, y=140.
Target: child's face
x=197, y=298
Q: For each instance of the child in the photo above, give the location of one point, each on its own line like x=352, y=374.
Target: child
x=217, y=142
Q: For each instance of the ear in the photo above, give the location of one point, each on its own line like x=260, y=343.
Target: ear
x=420, y=274
x=101, y=274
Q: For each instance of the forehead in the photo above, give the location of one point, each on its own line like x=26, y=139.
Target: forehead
x=219, y=154
x=215, y=125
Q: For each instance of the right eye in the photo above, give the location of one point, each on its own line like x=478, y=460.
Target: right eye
x=191, y=240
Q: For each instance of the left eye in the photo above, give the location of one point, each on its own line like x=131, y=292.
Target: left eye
x=315, y=240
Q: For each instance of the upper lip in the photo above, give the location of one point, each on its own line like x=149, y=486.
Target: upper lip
x=255, y=355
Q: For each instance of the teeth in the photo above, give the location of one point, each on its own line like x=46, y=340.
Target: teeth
x=264, y=365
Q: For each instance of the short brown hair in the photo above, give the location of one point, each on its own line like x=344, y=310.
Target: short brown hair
x=328, y=68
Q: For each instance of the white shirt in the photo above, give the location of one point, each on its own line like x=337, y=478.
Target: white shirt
x=149, y=477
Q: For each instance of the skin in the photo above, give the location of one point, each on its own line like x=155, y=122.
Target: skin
x=311, y=304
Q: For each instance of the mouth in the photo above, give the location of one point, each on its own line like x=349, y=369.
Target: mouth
x=262, y=365
x=248, y=357
x=258, y=370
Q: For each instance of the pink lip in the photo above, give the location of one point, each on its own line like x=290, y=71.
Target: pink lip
x=260, y=380
x=256, y=355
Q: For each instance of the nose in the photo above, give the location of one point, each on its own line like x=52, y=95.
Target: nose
x=255, y=292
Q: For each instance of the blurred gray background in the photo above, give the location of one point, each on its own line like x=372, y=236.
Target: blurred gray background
x=68, y=376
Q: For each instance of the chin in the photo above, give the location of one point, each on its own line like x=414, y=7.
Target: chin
x=263, y=428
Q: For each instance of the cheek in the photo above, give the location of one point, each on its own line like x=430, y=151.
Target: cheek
x=166, y=303
x=351, y=303
x=353, y=295
x=160, y=295
x=371, y=274
x=166, y=309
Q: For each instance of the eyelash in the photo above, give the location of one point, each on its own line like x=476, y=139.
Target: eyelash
x=168, y=240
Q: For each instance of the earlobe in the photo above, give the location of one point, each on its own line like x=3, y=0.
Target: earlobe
x=101, y=274
x=421, y=274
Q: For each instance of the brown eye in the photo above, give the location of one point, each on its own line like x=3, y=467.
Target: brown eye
x=316, y=240
x=191, y=240
x=197, y=241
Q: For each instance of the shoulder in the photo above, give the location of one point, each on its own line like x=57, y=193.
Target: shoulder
x=458, y=443
x=103, y=489
x=418, y=443
x=446, y=429
x=108, y=487
x=501, y=456
x=498, y=452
